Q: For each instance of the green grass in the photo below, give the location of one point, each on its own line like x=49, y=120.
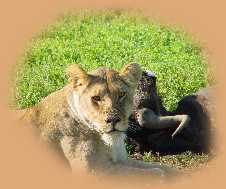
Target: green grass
x=186, y=161
x=110, y=39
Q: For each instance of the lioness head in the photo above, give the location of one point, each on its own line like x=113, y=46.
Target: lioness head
x=103, y=98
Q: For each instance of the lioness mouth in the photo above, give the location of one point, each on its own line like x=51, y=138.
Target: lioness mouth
x=114, y=130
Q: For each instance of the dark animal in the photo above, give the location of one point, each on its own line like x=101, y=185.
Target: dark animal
x=153, y=128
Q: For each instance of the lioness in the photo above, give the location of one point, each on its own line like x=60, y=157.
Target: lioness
x=88, y=119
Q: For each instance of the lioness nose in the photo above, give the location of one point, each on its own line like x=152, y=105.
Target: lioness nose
x=112, y=120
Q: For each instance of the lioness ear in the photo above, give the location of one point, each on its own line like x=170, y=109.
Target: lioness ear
x=131, y=73
x=76, y=75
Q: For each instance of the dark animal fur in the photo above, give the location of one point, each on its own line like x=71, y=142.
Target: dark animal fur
x=195, y=137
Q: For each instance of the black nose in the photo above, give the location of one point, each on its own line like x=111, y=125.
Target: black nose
x=112, y=120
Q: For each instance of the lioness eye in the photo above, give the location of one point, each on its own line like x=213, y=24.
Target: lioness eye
x=95, y=98
x=122, y=94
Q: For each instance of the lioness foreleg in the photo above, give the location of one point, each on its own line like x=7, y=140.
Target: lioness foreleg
x=153, y=168
x=77, y=153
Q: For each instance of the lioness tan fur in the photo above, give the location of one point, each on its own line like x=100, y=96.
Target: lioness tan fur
x=88, y=118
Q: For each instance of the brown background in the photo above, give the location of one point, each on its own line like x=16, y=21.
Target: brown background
x=24, y=163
